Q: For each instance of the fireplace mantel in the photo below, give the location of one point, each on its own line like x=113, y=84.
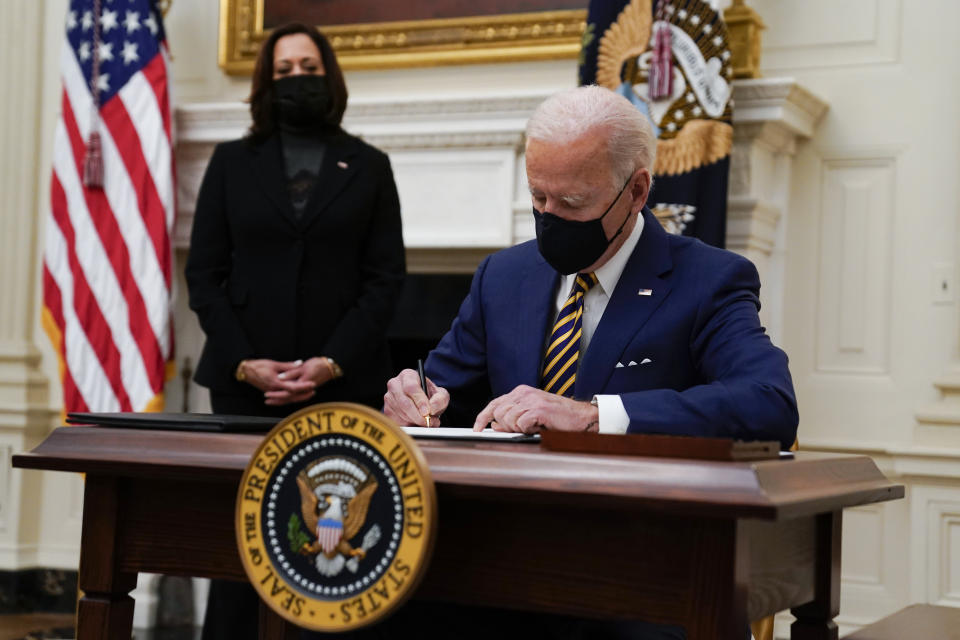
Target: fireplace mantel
x=459, y=167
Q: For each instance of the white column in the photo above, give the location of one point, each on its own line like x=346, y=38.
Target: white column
x=24, y=414
x=770, y=115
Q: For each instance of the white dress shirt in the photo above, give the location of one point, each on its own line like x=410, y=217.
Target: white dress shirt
x=613, y=415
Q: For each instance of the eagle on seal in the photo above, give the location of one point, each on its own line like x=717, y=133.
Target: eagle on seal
x=335, y=494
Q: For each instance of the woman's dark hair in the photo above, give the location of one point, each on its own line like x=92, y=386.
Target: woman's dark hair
x=261, y=92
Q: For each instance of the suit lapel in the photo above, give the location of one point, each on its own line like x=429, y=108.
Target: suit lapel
x=627, y=311
x=268, y=167
x=538, y=287
x=337, y=170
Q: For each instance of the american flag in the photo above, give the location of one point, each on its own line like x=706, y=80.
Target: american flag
x=107, y=260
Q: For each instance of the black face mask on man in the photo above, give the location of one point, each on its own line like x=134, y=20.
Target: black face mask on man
x=301, y=101
x=570, y=245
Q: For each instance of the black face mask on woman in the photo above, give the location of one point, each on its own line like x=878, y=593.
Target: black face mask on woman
x=569, y=245
x=301, y=101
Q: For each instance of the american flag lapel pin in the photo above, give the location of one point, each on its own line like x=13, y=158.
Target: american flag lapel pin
x=645, y=292
x=342, y=164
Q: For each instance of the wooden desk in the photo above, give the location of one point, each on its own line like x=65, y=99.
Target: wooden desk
x=709, y=545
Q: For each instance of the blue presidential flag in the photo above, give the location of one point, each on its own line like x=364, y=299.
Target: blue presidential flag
x=671, y=58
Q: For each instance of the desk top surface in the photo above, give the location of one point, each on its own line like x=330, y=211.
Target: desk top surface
x=770, y=489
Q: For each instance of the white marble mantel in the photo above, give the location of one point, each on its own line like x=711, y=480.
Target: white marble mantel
x=459, y=168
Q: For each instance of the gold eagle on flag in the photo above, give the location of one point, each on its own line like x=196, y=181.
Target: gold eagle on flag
x=693, y=121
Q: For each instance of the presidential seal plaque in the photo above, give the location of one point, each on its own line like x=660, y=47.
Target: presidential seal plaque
x=336, y=517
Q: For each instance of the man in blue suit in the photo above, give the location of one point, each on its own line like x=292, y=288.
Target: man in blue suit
x=606, y=323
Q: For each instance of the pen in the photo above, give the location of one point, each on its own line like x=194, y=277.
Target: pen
x=423, y=384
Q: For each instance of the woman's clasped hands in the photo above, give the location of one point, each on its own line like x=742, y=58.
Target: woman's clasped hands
x=286, y=382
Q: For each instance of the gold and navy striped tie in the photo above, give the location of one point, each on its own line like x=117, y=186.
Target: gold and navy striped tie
x=563, y=351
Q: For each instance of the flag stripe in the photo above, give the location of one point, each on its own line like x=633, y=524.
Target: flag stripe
x=115, y=248
x=89, y=316
x=51, y=318
x=53, y=302
x=151, y=153
x=73, y=342
x=71, y=394
x=158, y=75
x=54, y=330
x=144, y=189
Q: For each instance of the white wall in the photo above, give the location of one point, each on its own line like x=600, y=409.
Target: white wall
x=872, y=237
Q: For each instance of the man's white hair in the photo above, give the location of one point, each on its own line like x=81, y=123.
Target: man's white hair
x=571, y=114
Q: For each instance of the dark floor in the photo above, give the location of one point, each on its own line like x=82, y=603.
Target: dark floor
x=180, y=633
x=60, y=626
x=36, y=626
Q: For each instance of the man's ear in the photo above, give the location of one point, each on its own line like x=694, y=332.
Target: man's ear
x=640, y=190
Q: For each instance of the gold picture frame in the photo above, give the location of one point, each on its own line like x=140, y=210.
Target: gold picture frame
x=500, y=38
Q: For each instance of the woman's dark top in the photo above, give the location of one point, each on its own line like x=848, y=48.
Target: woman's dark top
x=302, y=159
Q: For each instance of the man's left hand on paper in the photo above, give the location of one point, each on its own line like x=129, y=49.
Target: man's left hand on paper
x=530, y=410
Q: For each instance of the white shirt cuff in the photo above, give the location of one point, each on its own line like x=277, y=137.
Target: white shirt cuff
x=613, y=416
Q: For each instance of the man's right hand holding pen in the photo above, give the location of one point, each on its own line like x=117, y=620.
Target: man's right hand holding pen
x=409, y=404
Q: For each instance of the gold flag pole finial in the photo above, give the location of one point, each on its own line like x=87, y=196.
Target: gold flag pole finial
x=743, y=30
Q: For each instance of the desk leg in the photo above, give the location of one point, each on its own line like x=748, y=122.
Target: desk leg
x=721, y=560
x=815, y=619
x=106, y=610
x=275, y=627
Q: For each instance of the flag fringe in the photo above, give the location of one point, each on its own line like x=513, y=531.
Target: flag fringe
x=93, y=162
x=53, y=332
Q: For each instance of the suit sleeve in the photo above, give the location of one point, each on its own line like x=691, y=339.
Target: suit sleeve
x=745, y=392
x=459, y=362
x=382, y=269
x=209, y=265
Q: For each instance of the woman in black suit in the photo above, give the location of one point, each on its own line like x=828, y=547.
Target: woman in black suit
x=296, y=261
x=296, y=256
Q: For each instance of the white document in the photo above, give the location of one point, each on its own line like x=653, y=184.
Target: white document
x=467, y=434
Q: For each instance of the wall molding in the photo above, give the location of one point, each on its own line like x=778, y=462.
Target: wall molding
x=32, y=556
x=842, y=43
x=770, y=115
x=902, y=461
x=782, y=104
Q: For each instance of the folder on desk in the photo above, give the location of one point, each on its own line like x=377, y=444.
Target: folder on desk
x=660, y=446
x=177, y=421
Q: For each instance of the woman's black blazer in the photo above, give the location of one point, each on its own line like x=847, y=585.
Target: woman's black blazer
x=267, y=285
